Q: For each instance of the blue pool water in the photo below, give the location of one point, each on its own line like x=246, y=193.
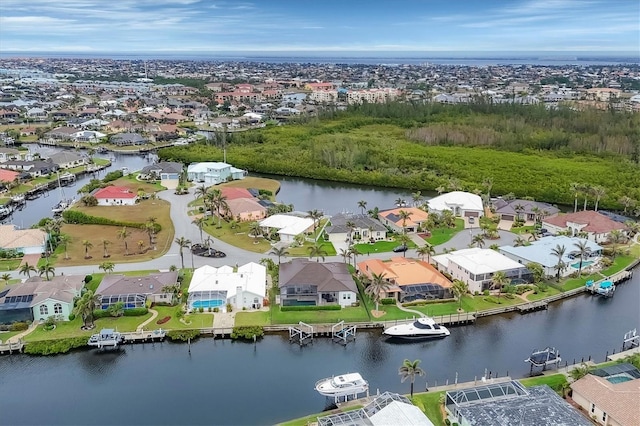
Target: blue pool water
x=584, y=264
x=619, y=379
x=216, y=303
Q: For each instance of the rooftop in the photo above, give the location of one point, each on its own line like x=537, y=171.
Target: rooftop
x=404, y=271
x=450, y=200
x=478, y=261
x=541, y=251
x=618, y=400
x=595, y=222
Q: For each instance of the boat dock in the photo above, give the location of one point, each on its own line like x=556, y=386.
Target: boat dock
x=10, y=348
x=144, y=336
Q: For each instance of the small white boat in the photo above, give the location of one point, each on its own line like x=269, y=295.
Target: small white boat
x=422, y=328
x=61, y=206
x=106, y=338
x=18, y=199
x=343, y=385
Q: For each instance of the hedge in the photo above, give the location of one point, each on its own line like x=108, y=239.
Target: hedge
x=183, y=335
x=427, y=302
x=247, y=332
x=311, y=308
x=388, y=301
x=52, y=347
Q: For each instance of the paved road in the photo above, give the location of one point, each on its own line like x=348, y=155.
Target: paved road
x=184, y=228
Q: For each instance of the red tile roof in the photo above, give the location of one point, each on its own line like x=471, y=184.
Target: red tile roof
x=233, y=193
x=114, y=192
x=8, y=175
x=596, y=222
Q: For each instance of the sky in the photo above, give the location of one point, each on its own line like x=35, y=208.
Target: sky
x=348, y=26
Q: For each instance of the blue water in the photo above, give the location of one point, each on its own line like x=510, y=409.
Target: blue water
x=216, y=303
x=619, y=379
x=584, y=264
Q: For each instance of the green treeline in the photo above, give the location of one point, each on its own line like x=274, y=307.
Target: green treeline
x=526, y=150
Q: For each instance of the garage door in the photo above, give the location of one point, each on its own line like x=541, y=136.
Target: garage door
x=507, y=217
x=471, y=214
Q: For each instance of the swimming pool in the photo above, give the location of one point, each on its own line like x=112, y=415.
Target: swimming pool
x=584, y=264
x=619, y=378
x=215, y=303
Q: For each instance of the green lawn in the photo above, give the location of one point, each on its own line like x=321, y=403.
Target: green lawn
x=193, y=320
x=66, y=329
x=381, y=246
x=6, y=335
x=253, y=318
x=550, y=291
x=619, y=264
x=303, y=251
x=307, y=420
x=9, y=264
x=442, y=235
x=429, y=403
x=554, y=381
x=238, y=237
x=523, y=229
x=572, y=283
x=357, y=314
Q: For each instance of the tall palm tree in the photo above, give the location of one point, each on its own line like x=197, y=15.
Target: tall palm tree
x=354, y=252
x=219, y=202
x=5, y=277
x=478, y=240
x=499, y=280
x=87, y=245
x=123, y=234
x=426, y=250
x=105, y=243
x=150, y=227
x=374, y=212
x=64, y=240
x=182, y=242
x=46, y=269
x=583, y=251
x=351, y=226
x=27, y=269
x=488, y=183
x=200, y=191
x=409, y=370
x=559, y=251
x=519, y=241
x=598, y=192
x=363, y=206
x=200, y=222
x=576, y=190
x=346, y=254
x=314, y=215
x=586, y=191
x=376, y=286
x=85, y=307
x=317, y=251
x=400, y=202
x=107, y=267
x=416, y=197
x=255, y=229
x=459, y=289
x=626, y=203
x=280, y=252
x=616, y=237
x=404, y=216
x=404, y=241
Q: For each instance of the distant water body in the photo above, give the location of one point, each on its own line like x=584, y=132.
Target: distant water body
x=542, y=60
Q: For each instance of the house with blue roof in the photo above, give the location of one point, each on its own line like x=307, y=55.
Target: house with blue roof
x=541, y=252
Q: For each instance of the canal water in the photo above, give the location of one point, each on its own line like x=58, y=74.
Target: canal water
x=222, y=382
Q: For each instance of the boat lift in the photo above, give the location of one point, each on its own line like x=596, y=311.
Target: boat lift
x=303, y=334
x=604, y=288
x=543, y=358
x=631, y=339
x=343, y=334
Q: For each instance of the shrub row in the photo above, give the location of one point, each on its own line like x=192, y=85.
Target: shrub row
x=311, y=308
x=427, y=302
x=183, y=335
x=52, y=347
x=133, y=312
x=388, y=301
x=247, y=332
x=77, y=217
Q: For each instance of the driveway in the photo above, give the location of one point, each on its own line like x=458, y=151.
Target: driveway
x=463, y=238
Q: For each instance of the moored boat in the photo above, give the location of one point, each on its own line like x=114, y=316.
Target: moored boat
x=342, y=385
x=106, y=338
x=544, y=357
x=421, y=328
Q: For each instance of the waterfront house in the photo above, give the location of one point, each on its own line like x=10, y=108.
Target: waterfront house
x=68, y=159
x=391, y=219
x=476, y=267
x=365, y=229
x=7, y=154
x=213, y=173
x=34, y=168
x=611, y=400
x=37, y=300
x=26, y=241
x=231, y=193
x=409, y=279
x=115, y=196
x=8, y=176
x=246, y=209
x=287, y=226
x=167, y=172
x=306, y=282
x=134, y=292
x=128, y=139
x=541, y=252
x=596, y=225
x=213, y=287
x=526, y=210
x=461, y=204
x=60, y=133
x=91, y=136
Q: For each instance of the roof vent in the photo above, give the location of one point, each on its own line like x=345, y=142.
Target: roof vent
x=151, y=287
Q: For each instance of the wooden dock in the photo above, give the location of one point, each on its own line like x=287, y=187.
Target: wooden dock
x=533, y=306
x=10, y=348
x=144, y=336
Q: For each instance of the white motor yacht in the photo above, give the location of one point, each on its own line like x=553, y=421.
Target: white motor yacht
x=343, y=385
x=422, y=328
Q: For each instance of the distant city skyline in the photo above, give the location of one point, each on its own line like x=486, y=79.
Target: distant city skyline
x=338, y=27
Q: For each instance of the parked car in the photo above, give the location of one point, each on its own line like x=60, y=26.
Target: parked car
x=400, y=249
x=472, y=220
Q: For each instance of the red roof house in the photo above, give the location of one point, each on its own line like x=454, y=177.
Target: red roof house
x=596, y=225
x=234, y=193
x=8, y=175
x=115, y=196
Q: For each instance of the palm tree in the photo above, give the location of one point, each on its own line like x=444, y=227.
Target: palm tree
x=478, y=240
x=46, y=269
x=409, y=370
x=351, y=226
x=315, y=215
x=579, y=372
x=559, y=251
x=459, y=289
x=400, y=202
x=404, y=216
x=488, y=183
x=141, y=246
x=27, y=269
x=586, y=190
x=583, y=251
x=519, y=241
x=537, y=271
x=377, y=285
x=616, y=237
x=404, y=241
x=200, y=222
x=354, y=253
x=426, y=250
x=87, y=245
x=64, y=240
x=499, y=280
x=219, y=201
x=107, y=267
x=346, y=254
x=200, y=191
x=280, y=252
x=5, y=277
x=105, y=243
x=255, y=229
x=317, y=251
x=598, y=192
x=374, y=212
x=575, y=189
x=182, y=242
x=440, y=189
x=626, y=203
x=123, y=234
x=363, y=206
x=416, y=196
x=85, y=307
x=150, y=228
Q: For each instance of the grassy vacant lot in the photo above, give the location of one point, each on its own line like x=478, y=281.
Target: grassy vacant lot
x=442, y=235
x=253, y=318
x=429, y=403
x=193, y=320
x=238, y=237
x=381, y=246
x=66, y=329
x=550, y=291
x=138, y=213
x=9, y=264
x=354, y=314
